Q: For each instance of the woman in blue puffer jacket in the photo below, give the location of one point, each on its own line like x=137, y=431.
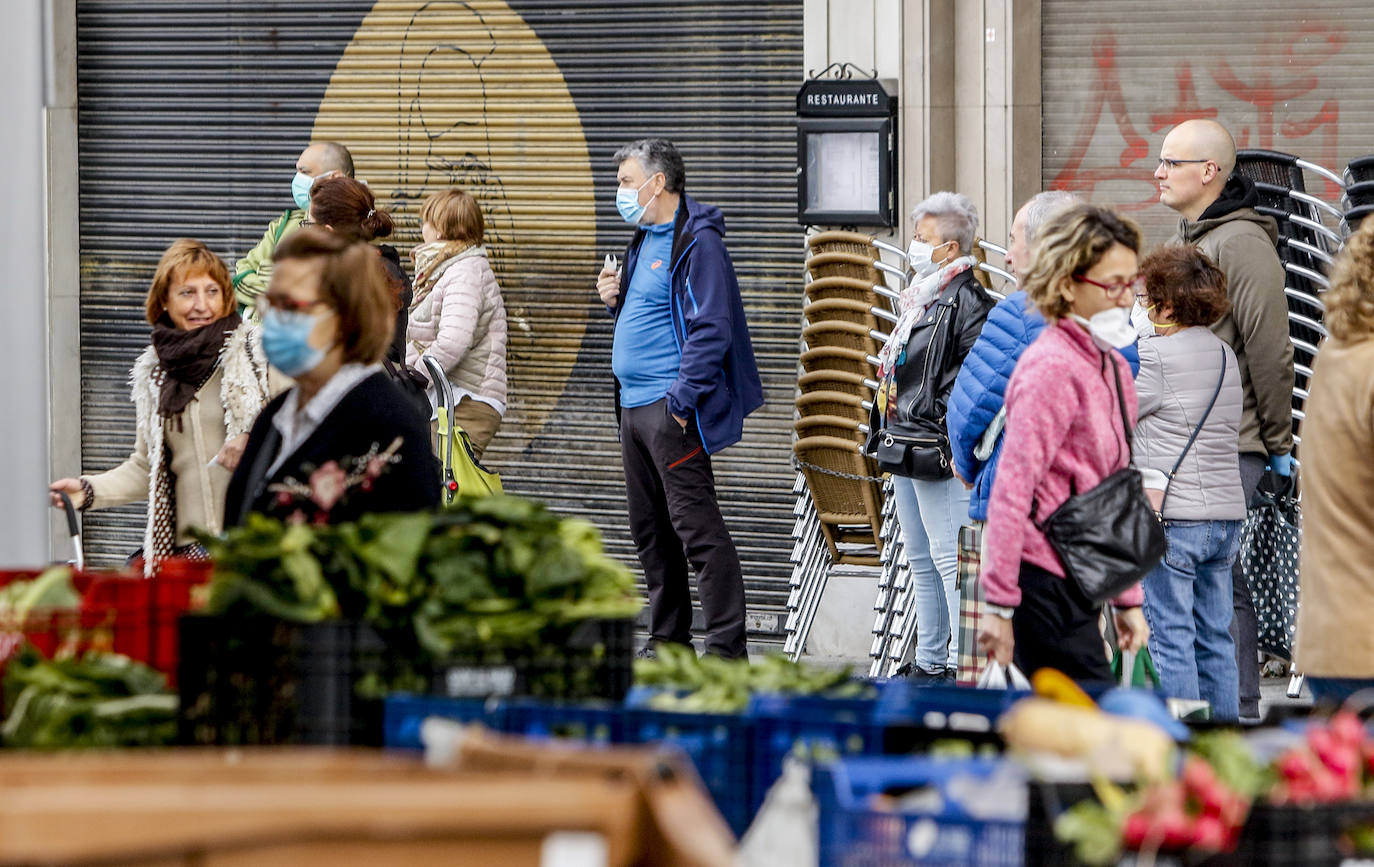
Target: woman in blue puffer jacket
x=976, y=405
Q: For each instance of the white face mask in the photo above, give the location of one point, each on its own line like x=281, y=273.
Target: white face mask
x=918, y=256
x=1110, y=328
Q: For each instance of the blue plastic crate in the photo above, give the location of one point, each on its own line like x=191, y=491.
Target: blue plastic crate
x=591, y=723
x=952, y=820
x=719, y=745
x=404, y=715
x=810, y=727
x=956, y=708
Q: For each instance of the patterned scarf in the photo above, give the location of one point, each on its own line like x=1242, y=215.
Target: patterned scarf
x=431, y=261
x=188, y=358
x=915, y=300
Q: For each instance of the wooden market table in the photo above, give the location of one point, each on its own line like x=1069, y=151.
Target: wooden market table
x=267, y=807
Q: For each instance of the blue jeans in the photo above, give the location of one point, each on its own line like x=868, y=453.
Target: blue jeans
x=930, y=514
x=1335, y=690
x=1188, y=605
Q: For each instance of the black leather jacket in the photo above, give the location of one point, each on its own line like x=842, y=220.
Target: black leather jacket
x=938, y=345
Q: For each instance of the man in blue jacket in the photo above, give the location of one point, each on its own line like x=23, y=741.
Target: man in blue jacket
x=685, y=378
x=975, y=416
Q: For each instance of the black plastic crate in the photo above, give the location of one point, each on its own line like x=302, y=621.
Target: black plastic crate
x=261, y=682
x=1290, y=836
x=583, y=660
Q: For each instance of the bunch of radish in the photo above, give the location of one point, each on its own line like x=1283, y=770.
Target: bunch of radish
x=1196, y=811
x=1329, y=767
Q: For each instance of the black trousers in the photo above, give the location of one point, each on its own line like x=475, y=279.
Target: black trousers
x=1056, y=626
x=1244, y=624
x=675, y=520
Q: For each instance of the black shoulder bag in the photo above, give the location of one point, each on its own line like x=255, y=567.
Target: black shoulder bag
x=1107, y=538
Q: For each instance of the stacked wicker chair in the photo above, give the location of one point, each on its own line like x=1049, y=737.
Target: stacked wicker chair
x=846, y=314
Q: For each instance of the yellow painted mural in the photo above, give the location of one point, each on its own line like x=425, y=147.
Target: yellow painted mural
x=431, y=95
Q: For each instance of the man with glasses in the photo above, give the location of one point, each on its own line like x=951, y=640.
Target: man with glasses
x=253, y=272
x=1219, y=218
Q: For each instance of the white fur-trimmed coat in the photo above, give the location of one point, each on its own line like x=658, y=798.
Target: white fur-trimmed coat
x=224, y=407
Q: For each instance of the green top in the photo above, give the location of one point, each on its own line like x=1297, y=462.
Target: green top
x=253, y=271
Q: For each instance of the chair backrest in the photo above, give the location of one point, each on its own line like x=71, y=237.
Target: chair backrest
x=847, y=288
x=1274, y=167
x=840, y=310
x=829, y=426
x=1360, y=169
x=839, y=241
x=838, y=358
x=1359, y=193
x=827, y=463
x=843, y=264
x=835, y=380
x=847, y=335
x=836, y=404
x=1355, y=216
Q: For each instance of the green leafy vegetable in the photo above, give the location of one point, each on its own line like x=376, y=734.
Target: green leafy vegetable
x=709, y=684
x=97, y=699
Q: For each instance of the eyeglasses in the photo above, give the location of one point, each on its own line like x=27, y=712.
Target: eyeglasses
x=309, y=223
x=288, y=304
x=1170, y=165
x=1116, y=290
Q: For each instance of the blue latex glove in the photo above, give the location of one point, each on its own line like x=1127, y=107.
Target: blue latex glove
x=1281, y=464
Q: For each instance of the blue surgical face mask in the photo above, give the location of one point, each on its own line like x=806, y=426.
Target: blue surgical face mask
x=627, y=203
x=300, y=187
x=300, y=190
x=286, y=340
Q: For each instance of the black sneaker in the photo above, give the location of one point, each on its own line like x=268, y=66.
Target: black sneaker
x=647, y=652
x=951, y=677
x=921, y=677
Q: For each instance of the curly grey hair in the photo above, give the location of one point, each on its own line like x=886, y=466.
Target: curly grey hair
x=656, y=155
x=955, y=215
x=1041, y=206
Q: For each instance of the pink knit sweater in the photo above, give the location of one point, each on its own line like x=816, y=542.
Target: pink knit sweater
x=1063, y=423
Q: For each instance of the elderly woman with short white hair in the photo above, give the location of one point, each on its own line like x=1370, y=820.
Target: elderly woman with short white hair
x=942, y=313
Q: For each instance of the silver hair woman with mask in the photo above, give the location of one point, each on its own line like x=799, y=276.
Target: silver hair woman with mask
x=942, y=312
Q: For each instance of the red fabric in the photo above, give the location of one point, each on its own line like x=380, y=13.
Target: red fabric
x=1063, y=423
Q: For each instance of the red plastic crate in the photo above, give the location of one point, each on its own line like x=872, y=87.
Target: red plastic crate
x=121, y=611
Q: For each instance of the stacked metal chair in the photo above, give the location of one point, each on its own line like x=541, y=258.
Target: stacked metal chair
x=894, y=627
x=1357, y=199
x=839, y=510
x=1307, y=247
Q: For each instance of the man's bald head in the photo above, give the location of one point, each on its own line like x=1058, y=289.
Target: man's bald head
x=324, y=157
x=1195, y=161
x=1208, y=140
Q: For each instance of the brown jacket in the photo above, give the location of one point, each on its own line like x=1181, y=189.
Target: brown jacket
x=1241, y=241
x=1337, y=559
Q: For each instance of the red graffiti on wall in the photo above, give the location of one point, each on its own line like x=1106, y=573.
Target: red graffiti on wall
x=1106, y=93
x=1287, y=68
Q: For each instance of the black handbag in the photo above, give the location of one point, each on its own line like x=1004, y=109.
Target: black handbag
x=1268, y=558
x=923, y=456
x=1107, y=538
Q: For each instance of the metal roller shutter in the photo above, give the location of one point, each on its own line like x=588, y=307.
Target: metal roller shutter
x=1118, y=74
x=192, y=114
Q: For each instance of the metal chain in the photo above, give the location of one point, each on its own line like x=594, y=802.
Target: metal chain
x=798, y=463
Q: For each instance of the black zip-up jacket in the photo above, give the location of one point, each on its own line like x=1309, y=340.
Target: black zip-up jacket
x=936, y=350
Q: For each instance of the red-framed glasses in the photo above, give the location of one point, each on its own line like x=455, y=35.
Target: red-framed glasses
x=1116, y=290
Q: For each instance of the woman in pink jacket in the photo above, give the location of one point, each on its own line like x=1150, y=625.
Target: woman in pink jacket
x=457, y=315
x=1064, y=435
